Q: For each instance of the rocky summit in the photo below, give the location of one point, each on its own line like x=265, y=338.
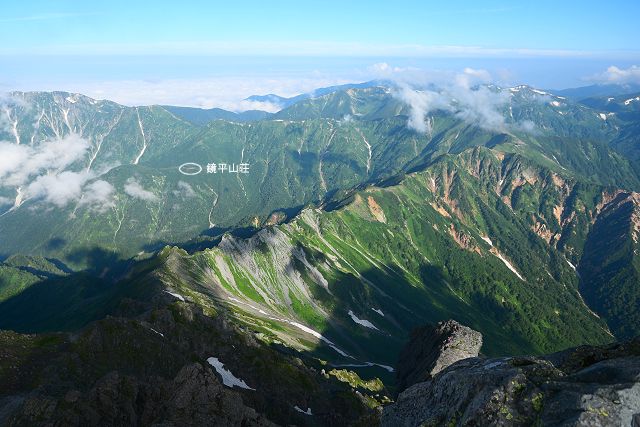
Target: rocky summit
x=587, y=385
x=433, y=349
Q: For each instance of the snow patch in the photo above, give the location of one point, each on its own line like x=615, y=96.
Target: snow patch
x=368, y=148
x=159, y=333
x=555, y=103
x=320, y=337
x=144, y=139
x=630, y=100
x=377, y=310
x=364, y=365
x=180, y=297
x=259, y=310
x=487, y=239
x=603, y=116
x=508, y=264
x=228, y=378
x=493, y=364
x=299, y=326
x=362, y=322
x=307, y=412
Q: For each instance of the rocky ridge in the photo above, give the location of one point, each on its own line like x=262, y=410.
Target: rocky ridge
x=583, y=386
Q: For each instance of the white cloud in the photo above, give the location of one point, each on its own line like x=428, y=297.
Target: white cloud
x=383, y=69
x=228, y=93
x=42, y=172
x=135, y=190
x=480, y=106
x=184, y=190
x=68, y=187
x=12, y=159
x=58, y=189
x=8, y=105
x=20, y=163
x=471, y=76
x=409, y=75
x=421, y=103
x=617, y=75
x=459, y=93
x=527, y=126
x=98, y=196
x=347, y=118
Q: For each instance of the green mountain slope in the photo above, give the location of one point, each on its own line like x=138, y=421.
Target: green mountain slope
x=201, y=116
x=453, y=241
x=494, y=218
x=610, y=267
x=310, y=150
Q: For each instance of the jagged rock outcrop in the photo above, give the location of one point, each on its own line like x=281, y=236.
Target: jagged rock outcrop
x=154, y=370
x=588, y=385
x=431, y=349
x=193, y=397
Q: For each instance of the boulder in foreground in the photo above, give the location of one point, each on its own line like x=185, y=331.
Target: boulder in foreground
x=584, y=386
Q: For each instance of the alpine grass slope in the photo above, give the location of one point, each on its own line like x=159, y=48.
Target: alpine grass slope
x=350, y=230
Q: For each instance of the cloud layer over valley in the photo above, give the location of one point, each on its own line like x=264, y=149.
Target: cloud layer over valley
x=464, y=94
x=40, y=173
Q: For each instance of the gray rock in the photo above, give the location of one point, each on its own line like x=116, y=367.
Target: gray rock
x=585, y=386
x=432, y=349
x=194, y=397
x=152, y=371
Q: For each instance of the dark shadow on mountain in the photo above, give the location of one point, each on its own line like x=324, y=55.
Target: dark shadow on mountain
x=37, y=265
x=307, y=160
x=337, y=203
x=56, y=304
x=60, y=265
x=215, y=231
x=290, y=213
x=156, y=246
x=497, y=140
x=55, y=244
x=334, y=158
x=405, y=306
x=102, y=263
x=161, y=336
x=391, y=181
x=244, y=232
x=333, y=198
x=423, y=163
x=69, y=302
x=339, y=198
x=210, y=237
x=38, y=272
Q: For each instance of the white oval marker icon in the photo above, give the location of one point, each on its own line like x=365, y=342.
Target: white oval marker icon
x=190, y=168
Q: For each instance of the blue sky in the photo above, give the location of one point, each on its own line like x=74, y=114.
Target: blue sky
x=91, y=46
